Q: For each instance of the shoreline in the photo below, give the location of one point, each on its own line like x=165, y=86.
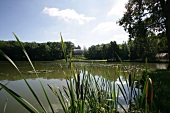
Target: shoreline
x=138, y=61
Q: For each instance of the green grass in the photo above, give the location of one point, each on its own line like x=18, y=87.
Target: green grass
x=86, y=93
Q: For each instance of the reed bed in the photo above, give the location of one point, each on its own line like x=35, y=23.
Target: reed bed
x=86, y=93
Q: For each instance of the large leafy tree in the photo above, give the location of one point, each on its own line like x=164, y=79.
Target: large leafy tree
x=144, y=17
x=113, y=51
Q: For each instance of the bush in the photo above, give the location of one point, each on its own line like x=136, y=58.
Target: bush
x=161, y=87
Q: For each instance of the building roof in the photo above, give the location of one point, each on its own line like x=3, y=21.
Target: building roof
x=161, y=55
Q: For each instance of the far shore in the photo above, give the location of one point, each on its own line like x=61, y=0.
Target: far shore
x=105, y=60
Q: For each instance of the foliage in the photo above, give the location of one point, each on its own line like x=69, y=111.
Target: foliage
x=134, y=50
x=124, y=51
x=161, y=86
x=104, y=51
x=146, y=17
x=142, y=17
x=37, y=51
x=88, y=93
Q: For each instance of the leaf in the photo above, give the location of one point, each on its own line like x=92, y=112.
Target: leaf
x=22, y=47
x=3, y=54
x=21, y=100
x=5, y=85
x=62, y=102
x=5, y=105
x=49, y=102
x=63, y=47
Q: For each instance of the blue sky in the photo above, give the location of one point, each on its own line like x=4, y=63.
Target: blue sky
x=84, y=22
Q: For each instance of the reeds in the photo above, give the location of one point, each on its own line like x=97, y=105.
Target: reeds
x=21, y=100
x=86, y=93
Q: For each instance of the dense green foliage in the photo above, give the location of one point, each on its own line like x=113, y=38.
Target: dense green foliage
x=37, y=51
x=136, y=49
x=87, y=93
x=104, y=51
x=161, y=89
x=145, y=18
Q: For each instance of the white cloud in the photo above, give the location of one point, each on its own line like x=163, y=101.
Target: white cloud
x=118, y=8
x=106, y=32
x=120, y=38
x=106, y=27
x=68, y=15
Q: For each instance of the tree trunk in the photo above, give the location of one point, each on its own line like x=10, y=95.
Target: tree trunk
x=168, y=40
x=166, y=9
x=168, y=28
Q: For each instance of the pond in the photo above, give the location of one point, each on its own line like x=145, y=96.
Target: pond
x=52, y=72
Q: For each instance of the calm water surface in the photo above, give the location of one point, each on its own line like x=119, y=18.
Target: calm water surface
x=52, y=73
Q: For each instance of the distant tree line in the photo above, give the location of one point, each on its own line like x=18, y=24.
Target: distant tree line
x=36, y=51
x=137, y=49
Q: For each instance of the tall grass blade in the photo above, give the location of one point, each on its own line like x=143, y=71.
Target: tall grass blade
x=60, y=99
x=122, y=107
x=71, y=55
x=114, y=95
x=3, y=54
x=49, y=102
x=21, y=100
x=144, y=91
x=21, y=45
x=122, y=62
x=5, y=106
x=122, y=93
x=4, y=85
x=65, y=90
x=117, y=97
x=63, y=47
x=151, y=98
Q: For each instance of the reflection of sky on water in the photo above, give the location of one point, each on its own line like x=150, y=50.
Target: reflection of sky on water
x=49, y=69
x=161, y=66
x=20, y=87
x=122, y=84
x=52, y=73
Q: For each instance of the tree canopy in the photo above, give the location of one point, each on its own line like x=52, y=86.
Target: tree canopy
x=143, y=18
x=36, y=51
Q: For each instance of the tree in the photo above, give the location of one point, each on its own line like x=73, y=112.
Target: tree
x=113, y=51
x=36, y=51
x=78, y=47
x=69, y=47
x=105, y=51
x=124, y=51
x=92, y=52
x=143, y=17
